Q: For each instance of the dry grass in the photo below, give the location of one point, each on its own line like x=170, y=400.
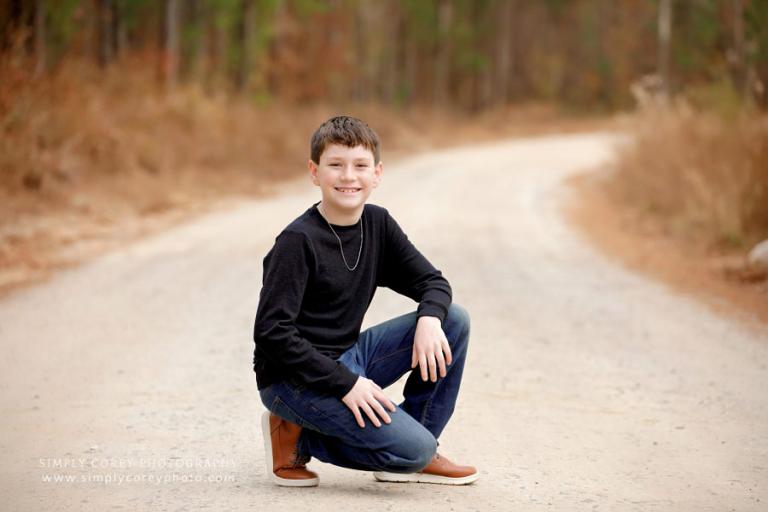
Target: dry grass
x=703, y=177
x=90, y=159
x=683, y=202
x=73, y=132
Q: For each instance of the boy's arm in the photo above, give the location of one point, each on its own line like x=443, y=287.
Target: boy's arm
x=406, y=271
x=286, y=273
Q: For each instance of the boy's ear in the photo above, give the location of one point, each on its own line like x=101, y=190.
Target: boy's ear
x=377, y=171
x=312, y=166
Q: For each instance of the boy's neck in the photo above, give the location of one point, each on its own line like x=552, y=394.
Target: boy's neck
x=340, y=218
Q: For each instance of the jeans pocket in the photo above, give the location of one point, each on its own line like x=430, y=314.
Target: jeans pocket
x=285, y=411
x=267, y=396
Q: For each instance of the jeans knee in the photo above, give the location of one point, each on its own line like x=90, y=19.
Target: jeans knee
x=421, y=451
x=426, y=453
x=412, y=454
x=457, y=320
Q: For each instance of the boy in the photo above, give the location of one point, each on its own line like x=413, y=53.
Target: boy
x=320, y=378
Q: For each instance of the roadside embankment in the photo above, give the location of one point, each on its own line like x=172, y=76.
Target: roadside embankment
x=685, y=202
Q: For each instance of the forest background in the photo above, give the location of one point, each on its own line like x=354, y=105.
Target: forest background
x=118, y=117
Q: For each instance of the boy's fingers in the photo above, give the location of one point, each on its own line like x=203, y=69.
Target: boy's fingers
x=381, y=397
x=380, y=411
x=414, y=358
x=372, y=415
x=447, y=352
x=423, y=366
x=358, y=417
x=441, y=364
x=432, y=368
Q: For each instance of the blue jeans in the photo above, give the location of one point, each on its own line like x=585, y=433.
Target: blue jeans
x=383, y=354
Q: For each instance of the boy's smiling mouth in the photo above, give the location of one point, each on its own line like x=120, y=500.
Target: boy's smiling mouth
x=348, y=190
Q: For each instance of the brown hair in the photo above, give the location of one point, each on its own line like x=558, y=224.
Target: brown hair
x=346, y=131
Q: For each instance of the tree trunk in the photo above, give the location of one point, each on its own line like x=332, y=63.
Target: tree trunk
x=198, y=53
x=442, y=63
x=409, y=82
x=503, y=51
x=393, y=78
x=665, y=34
x=40, y=49
x=275, y=82
x=104, y=34
x=116, y=30
x=247, y=32
x=738, y=55
x=360, y=51
x=171, y=44
x=486, y=41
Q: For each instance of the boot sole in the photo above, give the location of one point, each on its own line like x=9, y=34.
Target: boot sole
x=284, y=482
x=424, y=478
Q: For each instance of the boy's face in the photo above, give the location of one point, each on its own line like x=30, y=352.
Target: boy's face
x=346, y=177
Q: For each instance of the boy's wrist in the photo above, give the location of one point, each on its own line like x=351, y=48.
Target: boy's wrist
x=429, y=318
x=431, y=309
x=345, y=381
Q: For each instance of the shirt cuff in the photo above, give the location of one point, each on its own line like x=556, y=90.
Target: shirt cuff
x=343, y=380
x=425, y=309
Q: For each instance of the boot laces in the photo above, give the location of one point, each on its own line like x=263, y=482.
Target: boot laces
x=298, y=462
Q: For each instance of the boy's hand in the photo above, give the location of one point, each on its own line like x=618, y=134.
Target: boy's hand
x=368, y=396
x=430, y=348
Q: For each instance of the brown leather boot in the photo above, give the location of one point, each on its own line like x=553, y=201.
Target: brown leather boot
x=439, y=471
x=280, y=439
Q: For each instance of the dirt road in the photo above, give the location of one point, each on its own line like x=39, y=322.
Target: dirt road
x=587, y=387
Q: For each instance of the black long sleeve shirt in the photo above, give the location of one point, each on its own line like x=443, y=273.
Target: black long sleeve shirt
x=311, y=306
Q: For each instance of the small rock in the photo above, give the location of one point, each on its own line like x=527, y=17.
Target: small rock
x=758, y=256
x=32, y=181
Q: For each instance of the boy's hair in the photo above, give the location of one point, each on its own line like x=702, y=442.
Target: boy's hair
x=346, y=131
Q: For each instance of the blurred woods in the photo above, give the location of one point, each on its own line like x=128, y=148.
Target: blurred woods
x=474, y=54
x=115, y=109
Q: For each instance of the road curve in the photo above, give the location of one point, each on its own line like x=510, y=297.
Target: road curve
x=587, y=387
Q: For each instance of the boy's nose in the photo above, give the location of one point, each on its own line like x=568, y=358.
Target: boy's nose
x=347, y=172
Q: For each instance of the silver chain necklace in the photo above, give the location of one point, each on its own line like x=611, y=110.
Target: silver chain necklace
x=341, y=247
